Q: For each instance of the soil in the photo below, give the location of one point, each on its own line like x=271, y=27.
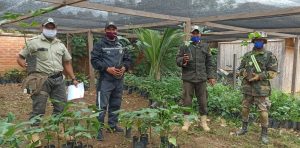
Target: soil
x=13, y=100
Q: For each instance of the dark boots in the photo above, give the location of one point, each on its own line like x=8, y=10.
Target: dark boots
x=264, y=135
x=244, y=129
x=100, y=136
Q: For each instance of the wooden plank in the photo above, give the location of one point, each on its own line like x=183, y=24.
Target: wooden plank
x=91, y=71
x=246, y=29
x=101, y=7
x=281, y=65
x=54, y=7
x=260, y=14
x=295, y=66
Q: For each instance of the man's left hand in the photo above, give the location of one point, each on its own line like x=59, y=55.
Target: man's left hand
x=212, y=82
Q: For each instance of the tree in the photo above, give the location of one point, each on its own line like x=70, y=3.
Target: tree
x=156, y=46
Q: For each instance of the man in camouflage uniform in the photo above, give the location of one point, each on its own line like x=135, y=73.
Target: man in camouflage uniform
x=257, y=67
x=45, y=57
x=197, y=68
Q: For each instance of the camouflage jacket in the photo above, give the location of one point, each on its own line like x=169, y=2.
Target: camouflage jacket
x=268, y=65
x=200, y=67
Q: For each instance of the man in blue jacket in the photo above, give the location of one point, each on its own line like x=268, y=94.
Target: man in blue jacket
x=111, y=60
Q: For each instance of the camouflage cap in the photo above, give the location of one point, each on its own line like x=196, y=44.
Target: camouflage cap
x=49, y=20
x=258, y=35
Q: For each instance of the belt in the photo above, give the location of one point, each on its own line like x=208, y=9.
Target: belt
x=56, y=75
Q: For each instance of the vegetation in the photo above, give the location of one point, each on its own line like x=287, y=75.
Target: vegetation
x=80, y=123
x=156, y=47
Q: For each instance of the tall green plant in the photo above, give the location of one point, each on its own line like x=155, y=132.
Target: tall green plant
x=156, y=46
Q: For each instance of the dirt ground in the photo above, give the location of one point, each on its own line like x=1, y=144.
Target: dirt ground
x=13, y=100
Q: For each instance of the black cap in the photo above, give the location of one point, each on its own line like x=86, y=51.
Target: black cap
x=110, y=24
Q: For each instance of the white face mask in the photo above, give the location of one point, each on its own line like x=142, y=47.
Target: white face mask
x=49, y=33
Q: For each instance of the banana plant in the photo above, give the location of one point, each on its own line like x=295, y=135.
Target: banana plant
x=156, y=46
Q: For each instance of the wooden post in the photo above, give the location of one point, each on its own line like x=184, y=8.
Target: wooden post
x=219, y=57
x=295, y=65
x=234, y=70
x=187, y=30
x=91, y=71
x=68, y=43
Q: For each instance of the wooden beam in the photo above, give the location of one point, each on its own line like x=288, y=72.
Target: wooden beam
x=224, y=33
x=91, y=71
x=17, y=35
x=247, y=29
x=147, y=25
x=260, y=14
x=294, y=30
x=101, y=7
x=187, y=30
x=295, y=65
x=54, y=7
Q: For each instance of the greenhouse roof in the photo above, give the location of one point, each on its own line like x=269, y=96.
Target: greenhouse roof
x=230, y=19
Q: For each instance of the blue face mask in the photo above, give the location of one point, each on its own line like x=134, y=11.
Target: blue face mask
x=258, y=44
x=195, y=39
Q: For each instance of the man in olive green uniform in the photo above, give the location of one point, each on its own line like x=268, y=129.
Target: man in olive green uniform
x=45, y=57
x=257, y=67
x=197, y=68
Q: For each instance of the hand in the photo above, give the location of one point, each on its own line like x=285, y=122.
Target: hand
x=24, y=64
x=120, y=72
x=186, y=59
x=212, y=82
x=113, y=71
x=75, y=82
x=244, y=73
x=255, y=77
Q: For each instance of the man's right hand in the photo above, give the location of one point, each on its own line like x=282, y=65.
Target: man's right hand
x=186, y=59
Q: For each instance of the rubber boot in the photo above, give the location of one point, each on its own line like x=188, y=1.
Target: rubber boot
x=264, y=135
x=204, y=123
x=186, y=124
x=244, y=129
x=61, y=135
x=100, y=136
x=35, y=137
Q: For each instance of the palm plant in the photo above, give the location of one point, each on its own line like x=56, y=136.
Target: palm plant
x=157, y=46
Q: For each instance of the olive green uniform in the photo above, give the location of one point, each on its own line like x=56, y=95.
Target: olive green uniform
x=199, y=69
x=45, y=72
x=257, y=92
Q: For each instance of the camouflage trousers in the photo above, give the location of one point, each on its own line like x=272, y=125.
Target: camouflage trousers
x=263, y=104
x=53, y=88
x=199, y=89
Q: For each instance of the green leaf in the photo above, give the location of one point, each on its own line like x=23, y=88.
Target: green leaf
x=10, y=117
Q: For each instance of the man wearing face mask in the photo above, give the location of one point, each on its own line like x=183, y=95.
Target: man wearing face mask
x=197, y=69
x=45, y=57
x=111, y=60
x=257, y=68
